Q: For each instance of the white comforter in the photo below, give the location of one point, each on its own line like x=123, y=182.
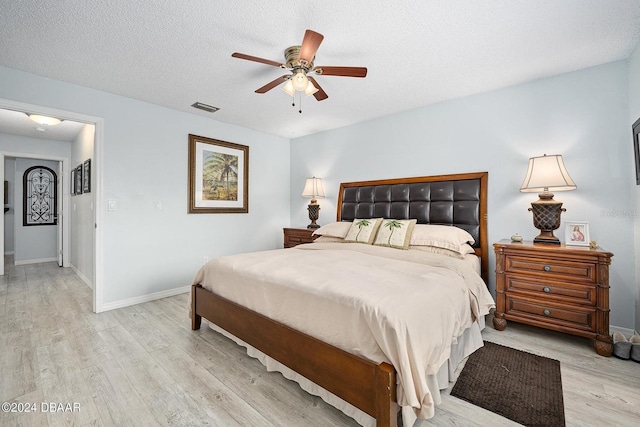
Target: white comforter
x=401, y=307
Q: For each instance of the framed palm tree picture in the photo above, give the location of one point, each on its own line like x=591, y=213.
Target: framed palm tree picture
x=218, y=176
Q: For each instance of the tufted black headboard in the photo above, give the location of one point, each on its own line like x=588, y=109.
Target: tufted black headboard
x=459, y=200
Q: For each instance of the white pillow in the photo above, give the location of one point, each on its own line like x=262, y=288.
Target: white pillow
x=334, y=229
x=441, y=236
x=328, y=239
x=395, y=233
x=363, y=230
x=436, y=250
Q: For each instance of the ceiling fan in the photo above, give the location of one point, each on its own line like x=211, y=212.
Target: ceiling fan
x=299, y=61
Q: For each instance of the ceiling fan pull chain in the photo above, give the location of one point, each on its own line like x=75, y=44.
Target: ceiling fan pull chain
x=300, y=101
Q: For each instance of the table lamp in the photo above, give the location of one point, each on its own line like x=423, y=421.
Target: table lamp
x=546, y=174
x=313, y=188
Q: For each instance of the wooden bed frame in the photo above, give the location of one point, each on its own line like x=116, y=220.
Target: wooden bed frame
x=366, y=385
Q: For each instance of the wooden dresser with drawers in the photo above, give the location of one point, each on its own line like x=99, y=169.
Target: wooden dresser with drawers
x=296, y=236
x=558, y=287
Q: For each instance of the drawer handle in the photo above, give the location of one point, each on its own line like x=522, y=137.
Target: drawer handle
x=546, y=268
x=546, y=289
x=547, y=312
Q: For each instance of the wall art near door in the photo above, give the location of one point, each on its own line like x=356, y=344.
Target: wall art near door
x=72, y=182
x=635, y=130
x=40, y=206
x=218, y=176
x=78, y=179
x=86, y=176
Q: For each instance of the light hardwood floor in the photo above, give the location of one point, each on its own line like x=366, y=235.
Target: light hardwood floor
x=142, y=365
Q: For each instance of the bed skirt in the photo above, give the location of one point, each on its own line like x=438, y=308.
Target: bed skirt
x=466, y=344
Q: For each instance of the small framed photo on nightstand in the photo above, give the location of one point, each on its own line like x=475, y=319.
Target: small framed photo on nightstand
x=576, y=233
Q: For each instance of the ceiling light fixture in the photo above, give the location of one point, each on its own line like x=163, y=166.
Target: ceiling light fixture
x=288, y=88
x=44, y=120
x=299, y=82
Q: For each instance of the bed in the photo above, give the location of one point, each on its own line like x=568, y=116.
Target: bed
x=356, y=381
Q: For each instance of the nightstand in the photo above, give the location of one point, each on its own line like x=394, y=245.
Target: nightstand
x=296, y=236
x=557, y=287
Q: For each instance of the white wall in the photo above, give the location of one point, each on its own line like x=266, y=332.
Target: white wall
x=35, y=243
x=582, y=115
x=145, y=160
x=634, y=109
x=81, y=210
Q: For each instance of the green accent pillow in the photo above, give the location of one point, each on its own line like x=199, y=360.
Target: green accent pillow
x=363, y=230
x=395, y=233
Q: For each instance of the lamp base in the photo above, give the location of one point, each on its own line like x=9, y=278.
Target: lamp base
x=546, y=238
x=546, y=218
x=314, y=213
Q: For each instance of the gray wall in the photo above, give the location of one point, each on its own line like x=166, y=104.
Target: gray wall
x=582, y=115
x=145, y=160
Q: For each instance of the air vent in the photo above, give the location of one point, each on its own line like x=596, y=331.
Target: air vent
x=205, y=107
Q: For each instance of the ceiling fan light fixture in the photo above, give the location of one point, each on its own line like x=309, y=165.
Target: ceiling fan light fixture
x=288, y=88
x=300, y=80
x=310, y=89
x=299, y=60
x=44, y=120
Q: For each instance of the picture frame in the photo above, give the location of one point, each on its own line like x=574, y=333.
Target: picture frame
x=78, y=180
x=218, y=176
x=635, y=130
x=72, y=182
x=86, y=176
x=576, y=233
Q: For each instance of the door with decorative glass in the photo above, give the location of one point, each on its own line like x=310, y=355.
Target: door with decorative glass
x=40, y=198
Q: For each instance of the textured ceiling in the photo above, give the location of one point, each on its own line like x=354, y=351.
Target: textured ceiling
x=175, y=52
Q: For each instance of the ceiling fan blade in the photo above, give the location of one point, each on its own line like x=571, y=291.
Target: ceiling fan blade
x=256, y=59
x=310, y=44
x=320, y=94
x=341, y=71
x=272, y=84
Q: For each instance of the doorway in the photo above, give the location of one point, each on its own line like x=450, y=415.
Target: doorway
x=93, y=243
x=34, y=227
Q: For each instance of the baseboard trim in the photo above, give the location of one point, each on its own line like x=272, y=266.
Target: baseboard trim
x=35, y=261
x=624, y=331
x=82, y=277
x=145, y=298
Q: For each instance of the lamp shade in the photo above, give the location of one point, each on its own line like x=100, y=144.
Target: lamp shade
x=547, y=173
x=300, y=80
x=311, y=89
x=313, y=188
x=288, y=88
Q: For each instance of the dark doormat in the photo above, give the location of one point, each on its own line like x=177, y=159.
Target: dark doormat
x=521, y=386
